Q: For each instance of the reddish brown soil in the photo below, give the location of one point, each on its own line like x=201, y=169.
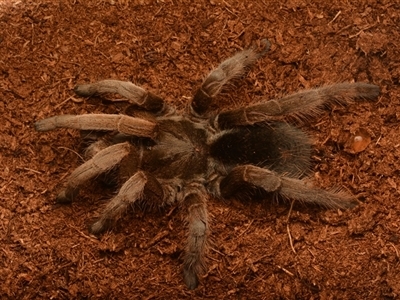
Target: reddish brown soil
x=46, y=47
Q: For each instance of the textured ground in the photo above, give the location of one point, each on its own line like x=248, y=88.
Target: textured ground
x=46, y=47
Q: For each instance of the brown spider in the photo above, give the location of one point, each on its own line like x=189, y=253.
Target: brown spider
x=164, y=156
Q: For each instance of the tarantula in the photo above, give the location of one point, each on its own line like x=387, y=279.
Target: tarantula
x=163, y=156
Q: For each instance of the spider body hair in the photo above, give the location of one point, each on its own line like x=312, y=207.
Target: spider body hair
x=161, y=156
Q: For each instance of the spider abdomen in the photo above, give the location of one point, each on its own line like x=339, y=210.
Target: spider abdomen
x=278, y=146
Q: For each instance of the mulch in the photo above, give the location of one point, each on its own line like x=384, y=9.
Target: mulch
x=258, y=250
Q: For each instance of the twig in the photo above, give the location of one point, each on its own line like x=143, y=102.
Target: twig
x=216, y=251
x=343, y=29
x=395, y=249
x=155, y=240
x=337, y=15
x=28, y=169
x=285, y=270
x=66, y=100
x=247, y=228
x=84, y=235
x=362, y=30
x=288, y=228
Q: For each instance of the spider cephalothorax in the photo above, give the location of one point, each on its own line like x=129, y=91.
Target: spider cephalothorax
x=163, y=156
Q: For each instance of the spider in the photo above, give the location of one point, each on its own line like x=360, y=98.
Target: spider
x=162, y=155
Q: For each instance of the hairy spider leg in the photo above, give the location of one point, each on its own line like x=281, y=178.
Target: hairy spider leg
x=103, y=161
x=195, y=198
x=230, y=69
x=139, y=184
x=286, y=187
x=300, y=106
x=135, y=94
x=121, y=123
